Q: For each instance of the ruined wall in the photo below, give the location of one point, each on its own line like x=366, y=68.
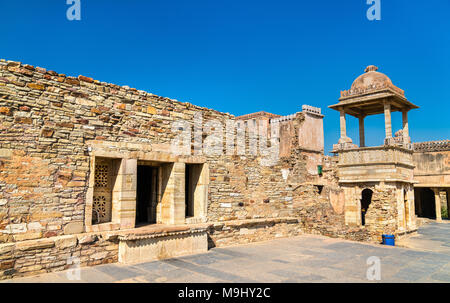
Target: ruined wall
x=47, y=121
x=247, y=231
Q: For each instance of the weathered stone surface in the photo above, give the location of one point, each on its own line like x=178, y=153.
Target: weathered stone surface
x=84, y=240
x=6, y=248
x=66, y=241
x=35, y=244
x=74, y=228
x=5, y=153
x=48, y=133
x=36, y=86
x=54, y=129
x=85, y=79
x=5, y=111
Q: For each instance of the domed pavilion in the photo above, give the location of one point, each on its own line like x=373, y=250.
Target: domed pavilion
x=377, y=182
x=373, y=93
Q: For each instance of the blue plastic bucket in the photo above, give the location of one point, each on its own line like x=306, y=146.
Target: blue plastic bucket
x=388, y=240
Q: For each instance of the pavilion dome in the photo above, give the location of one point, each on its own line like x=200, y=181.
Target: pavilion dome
x=371, y=79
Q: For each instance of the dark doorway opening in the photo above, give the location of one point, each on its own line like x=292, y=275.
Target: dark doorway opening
x=426, y=203
x=366, y=199
x=146, y=194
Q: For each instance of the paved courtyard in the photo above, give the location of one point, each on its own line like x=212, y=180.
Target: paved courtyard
x=300, y=259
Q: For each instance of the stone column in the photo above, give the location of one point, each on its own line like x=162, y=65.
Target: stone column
x=448, y=203
x=352, y=207
x=173, y=193
x=362, y=139
x=437, y=199
x=201, y=191
x=344, y=138
x=405, y=126
x=387, y=120
x=343, y=125
x=124, y=194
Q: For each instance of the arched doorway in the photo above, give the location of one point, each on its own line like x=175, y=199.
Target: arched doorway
x=366, y=199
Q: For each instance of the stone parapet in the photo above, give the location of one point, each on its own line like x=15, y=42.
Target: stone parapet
x=372, y=164
x=432, y=146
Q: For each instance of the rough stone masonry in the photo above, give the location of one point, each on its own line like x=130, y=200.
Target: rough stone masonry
x=87, y=171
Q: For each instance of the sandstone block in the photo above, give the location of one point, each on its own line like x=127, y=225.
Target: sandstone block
x=66, y=241
x=16, y=228
x=23, y=120
x=6, y=248
x=27, y=236
x=35, y=244
x=99, y=255
x=36, y=86
x=5, y=111
x=5, y=153
x=7, y=264
x=47, y=133
x=85, y=102
x=85, y=79
x=87, y=239
x=72, y=81
x=74, y=228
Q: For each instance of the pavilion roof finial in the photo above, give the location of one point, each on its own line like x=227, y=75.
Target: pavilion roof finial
x=371, y=68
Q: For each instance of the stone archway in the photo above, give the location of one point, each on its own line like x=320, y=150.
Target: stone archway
x=366, y=199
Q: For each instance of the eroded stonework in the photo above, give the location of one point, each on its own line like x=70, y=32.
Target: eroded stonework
x=88, y=171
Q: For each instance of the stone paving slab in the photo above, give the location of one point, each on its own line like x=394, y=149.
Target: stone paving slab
x=306, y=259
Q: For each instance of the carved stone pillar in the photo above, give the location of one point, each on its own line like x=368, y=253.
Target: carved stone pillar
x=387, y=120
x=344, y=138
x=437, y=199
x=362, y=140
x=406, y=137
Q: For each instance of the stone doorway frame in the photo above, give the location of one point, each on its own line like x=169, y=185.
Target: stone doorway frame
x=172, y=182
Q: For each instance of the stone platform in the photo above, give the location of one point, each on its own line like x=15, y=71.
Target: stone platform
x=158, y=242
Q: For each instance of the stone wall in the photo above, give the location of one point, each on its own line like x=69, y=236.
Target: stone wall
x=247, y=231
x=46, y=120
x=50, y=124
x=33, y=257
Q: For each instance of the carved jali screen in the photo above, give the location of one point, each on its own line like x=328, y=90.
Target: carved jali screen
x=101, y=209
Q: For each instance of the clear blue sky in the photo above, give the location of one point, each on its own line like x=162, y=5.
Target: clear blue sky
x=246, y=56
